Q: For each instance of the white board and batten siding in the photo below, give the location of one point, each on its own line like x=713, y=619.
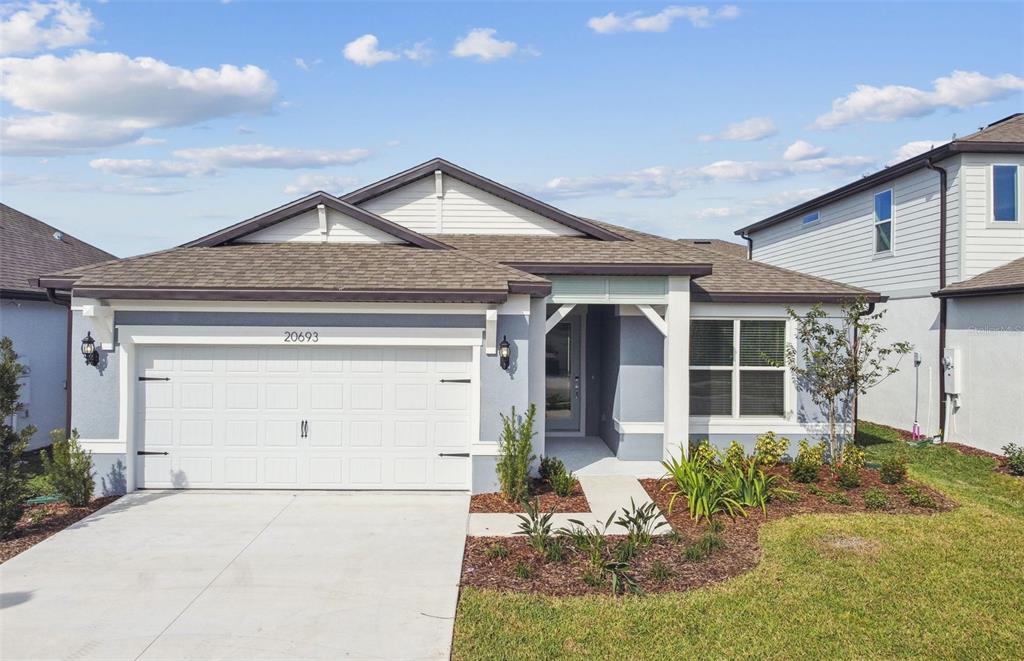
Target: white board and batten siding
x=989, y=244
x=460, y=209
x=840, y=245
x=305, y=228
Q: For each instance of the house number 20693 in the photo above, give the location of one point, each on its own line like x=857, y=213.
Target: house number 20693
x=301, y=336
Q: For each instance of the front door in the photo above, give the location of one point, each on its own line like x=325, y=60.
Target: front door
x=563, y=382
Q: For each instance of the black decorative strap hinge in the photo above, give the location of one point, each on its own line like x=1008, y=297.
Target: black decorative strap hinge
x=154, y=378
x=453, y=454
x=145, y=452
x=455, y=381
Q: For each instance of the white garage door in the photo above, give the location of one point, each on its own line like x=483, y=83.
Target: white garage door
x=303, y=417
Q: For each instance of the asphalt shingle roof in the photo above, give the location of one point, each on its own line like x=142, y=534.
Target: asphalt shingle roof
x=28, y=249
x=1002, y=279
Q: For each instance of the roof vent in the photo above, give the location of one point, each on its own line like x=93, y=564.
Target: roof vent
x=58, y=236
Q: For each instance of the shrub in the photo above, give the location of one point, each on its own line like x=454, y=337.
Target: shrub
x=704, y=451
x=69, y=468
x=876, y=499
x=816, y=491
x=705, y=545
x=838, y=498
x=523, y=571
x=554, y=550
x=848, y=476
x=735, y=455
x=769, y=448
x=1014, y=458
x=641, y=522
x=39, y=485
x=893, y=469
x=706, y=488
x=660, y=572
x=918, y=498
x=564, y=483
x=593, y=578
x=809, y=459
x=621, y=580
x=496, y=551
x=852, y=455
x=12, y=443
x=625, y=550
x=550, y=466
x=590, y=540
x=751, y=486
x=536, y=525
x=515, y=454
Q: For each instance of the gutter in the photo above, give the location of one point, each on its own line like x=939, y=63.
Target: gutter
x=943, y=178
x=65, y=300
x=856, y=397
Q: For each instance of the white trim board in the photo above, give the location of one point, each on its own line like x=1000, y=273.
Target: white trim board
x=275, y=336
x=102, y=445
x=127, y=305
x=638, y=427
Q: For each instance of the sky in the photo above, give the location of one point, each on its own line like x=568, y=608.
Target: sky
x=139, y=126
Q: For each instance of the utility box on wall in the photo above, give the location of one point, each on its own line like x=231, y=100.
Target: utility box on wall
x=951, y=370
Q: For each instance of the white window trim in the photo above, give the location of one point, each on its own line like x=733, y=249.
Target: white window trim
x=789, y=394
x=990, y=217
x=875, y=223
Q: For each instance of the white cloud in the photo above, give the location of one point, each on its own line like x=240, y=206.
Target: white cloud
x=393, y=143
x=698, y=16
x=755, y=128
x=959, y=90
x=419, y=52
x=301, y=63
x=802, y=150
x=265, y=156
x=914, y=148
x=206, y=161
x=34, y=26
x=716, y=212
x=661, y=181
x=146, y=141
x=310, y=183
x=62, y=184
x=364, y=52
x=482, y=44
x=88, y=100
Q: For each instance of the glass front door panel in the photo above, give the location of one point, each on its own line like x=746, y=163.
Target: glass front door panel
x=562, y=358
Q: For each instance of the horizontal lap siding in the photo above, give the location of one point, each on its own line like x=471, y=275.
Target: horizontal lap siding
x=305, y=228
x=840, y=246
x=988, y=244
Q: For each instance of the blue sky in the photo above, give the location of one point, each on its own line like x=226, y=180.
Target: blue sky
x=138, y=126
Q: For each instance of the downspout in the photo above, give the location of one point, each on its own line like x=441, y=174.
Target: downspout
x=58, y=299
x=943, y=175
x=750, y=245
x=856, y=396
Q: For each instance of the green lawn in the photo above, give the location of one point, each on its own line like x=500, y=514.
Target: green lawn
x=948, y=585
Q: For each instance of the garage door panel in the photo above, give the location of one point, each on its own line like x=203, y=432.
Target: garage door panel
x=377, y=417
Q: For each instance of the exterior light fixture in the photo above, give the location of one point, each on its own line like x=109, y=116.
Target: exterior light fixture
x=504, y=352
x=92, y=357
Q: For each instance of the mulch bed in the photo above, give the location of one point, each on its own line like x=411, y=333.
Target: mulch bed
x=40, y=521
x=539, y=489
x=740, y=553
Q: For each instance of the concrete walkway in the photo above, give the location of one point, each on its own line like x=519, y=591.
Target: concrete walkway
x=605, y=493
x=231, y=575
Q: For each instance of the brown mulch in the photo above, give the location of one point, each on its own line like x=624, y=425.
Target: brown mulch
x=41, y=521
x=1001, y=461
x=740, y=553
x=539, y=489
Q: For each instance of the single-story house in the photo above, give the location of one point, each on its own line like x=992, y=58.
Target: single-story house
x=38, y=324
x=371, y=340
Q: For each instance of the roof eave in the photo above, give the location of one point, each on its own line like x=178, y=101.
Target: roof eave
x=994, y=290
x=703, y=296
x=562, y=268
x=305, y=295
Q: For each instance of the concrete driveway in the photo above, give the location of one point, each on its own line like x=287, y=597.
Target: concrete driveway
x=231, y=575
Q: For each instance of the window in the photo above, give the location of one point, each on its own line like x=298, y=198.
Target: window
x=1004, y=193
x=883, y=221
x=811, y=218
x=732, y=370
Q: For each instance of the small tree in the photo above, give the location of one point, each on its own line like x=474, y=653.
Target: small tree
x=515, y=454
x=69, y=468
x=13, y=480
x=835, y=360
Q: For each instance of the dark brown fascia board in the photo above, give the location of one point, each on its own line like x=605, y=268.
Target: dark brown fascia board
x=888, y=174
x=23, y=295
x=994, y=290
x=702, y=296
x=54, y=282
x=534, y=289
x=307, y=203
x=389, y=184
x=347, y=295
x=555, y=268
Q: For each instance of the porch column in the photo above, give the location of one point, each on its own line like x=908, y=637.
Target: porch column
x=677, y=366
x=535, y=377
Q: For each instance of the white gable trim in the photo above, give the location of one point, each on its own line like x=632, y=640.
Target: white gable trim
x=320, y=225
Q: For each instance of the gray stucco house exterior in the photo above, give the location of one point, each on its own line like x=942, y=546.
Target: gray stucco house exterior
x=371, y=340
x=37, y=324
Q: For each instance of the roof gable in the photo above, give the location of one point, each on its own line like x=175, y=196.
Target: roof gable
x=471, y=204
x=368, y=220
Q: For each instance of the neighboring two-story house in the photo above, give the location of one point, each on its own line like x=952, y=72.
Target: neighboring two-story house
x=942, y=236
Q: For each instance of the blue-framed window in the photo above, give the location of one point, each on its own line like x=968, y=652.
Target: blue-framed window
x=1004, y=194
x=811, y=218
x=883, y=221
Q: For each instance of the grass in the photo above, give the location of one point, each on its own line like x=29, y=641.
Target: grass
x=844, y=586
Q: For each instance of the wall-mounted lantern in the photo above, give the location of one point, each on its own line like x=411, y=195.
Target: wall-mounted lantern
x=92, y=356
x=504, y=352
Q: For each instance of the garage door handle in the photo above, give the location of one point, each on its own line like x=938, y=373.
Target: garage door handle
x=453, y=454
x=147, y=452
x=455, y=381
x=154, y=378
